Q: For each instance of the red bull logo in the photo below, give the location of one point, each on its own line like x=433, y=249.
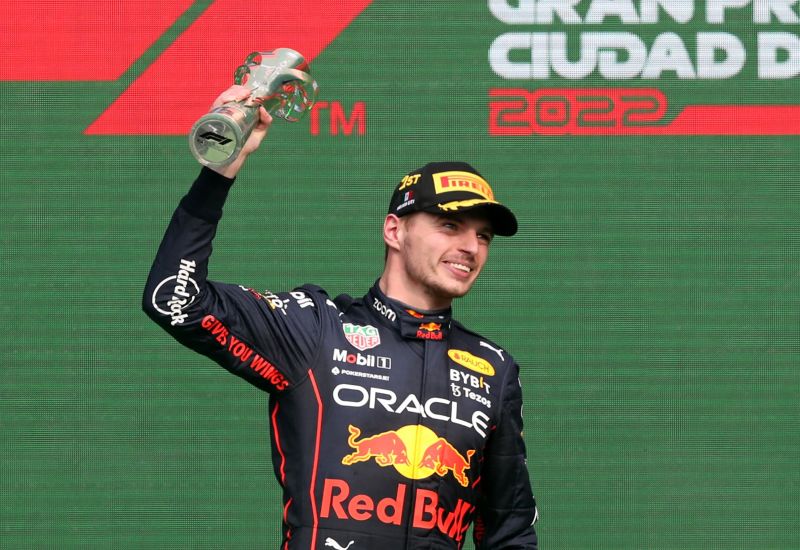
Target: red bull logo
x=430, y=331
x=387, y=448
x=443, y=457
x=338, y=501
x=416, y=452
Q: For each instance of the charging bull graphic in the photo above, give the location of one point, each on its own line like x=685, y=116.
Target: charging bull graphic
x=386, y=447
x=416, y=452
x=442, y=456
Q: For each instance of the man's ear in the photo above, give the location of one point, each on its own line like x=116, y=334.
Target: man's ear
x=393, y=231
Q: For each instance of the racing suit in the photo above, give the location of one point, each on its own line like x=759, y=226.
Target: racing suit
x=390, y=428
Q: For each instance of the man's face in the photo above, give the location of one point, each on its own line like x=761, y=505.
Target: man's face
x=443, y=255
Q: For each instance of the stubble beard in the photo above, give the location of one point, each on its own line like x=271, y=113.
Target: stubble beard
x=433, y=286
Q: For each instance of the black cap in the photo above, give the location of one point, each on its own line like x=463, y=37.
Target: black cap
x=448, y=188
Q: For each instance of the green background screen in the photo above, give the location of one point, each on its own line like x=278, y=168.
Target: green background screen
x=651, y=296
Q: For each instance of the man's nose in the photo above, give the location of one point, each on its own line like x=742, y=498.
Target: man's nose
x=469, y=242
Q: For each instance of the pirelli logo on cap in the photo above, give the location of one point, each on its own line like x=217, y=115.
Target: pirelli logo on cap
x=462, y=181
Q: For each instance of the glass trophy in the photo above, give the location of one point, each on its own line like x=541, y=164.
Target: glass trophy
x=279, y=80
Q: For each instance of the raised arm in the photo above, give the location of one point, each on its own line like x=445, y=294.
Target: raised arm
x=239, y=93
x=265, y=338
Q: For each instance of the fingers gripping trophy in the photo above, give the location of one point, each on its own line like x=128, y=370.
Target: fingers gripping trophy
x=279, y=80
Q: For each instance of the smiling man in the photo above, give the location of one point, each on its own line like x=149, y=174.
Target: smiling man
x=392, y=425
x=441, y=221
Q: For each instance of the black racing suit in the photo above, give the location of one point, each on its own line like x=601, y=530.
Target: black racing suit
x=391, y=428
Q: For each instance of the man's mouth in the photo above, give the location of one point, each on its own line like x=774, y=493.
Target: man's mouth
x=460, y=267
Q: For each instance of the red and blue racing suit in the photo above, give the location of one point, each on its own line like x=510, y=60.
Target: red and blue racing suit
x=390, y=428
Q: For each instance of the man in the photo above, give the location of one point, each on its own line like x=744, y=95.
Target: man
x=392, y=425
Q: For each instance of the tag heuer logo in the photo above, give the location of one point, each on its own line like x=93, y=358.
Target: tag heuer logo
x=362, y=338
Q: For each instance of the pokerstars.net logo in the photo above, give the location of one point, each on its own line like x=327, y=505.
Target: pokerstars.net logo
x=642, y=48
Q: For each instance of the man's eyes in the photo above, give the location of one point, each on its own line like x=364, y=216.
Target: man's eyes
x=453, y=226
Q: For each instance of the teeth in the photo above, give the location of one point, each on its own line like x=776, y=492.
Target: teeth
x=461, y=267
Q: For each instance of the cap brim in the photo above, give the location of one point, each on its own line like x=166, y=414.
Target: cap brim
x=503, y=220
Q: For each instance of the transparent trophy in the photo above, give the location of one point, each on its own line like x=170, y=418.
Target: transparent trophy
x=280, y=81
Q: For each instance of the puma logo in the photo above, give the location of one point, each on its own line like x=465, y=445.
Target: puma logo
x=335, y=545
x=494, y=349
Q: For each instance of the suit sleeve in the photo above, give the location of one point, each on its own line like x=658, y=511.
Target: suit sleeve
x=267, y=339
x=506, y=506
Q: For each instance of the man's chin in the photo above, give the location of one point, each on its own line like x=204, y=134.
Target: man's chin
x=456, y=290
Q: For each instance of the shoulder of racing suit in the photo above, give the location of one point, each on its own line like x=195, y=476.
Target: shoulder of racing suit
x=482, y=356
x=484, y=342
